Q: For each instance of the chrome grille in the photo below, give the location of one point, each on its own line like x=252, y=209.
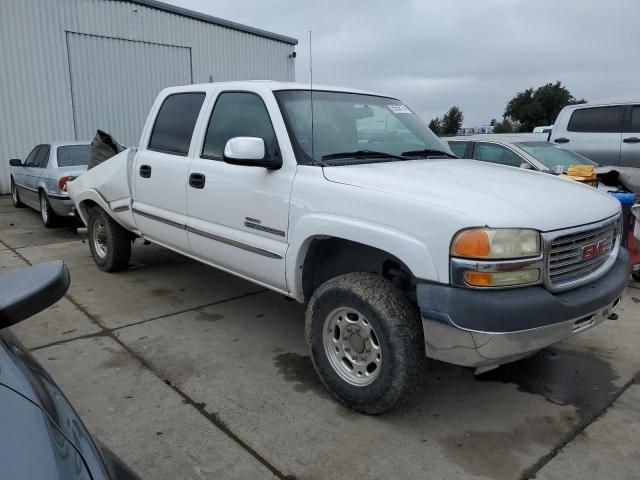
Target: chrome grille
x=567, y=264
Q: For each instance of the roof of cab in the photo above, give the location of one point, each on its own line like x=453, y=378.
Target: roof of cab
x=263, y=85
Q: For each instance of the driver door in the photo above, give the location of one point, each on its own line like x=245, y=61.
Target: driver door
x=238, y=214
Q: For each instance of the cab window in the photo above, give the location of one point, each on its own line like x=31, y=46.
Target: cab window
x=458, y=148
x=490, y=152
x=598, y=119
x=238, y=114
x=175, y=122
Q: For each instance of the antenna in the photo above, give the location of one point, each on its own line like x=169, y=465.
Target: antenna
x=311, y=93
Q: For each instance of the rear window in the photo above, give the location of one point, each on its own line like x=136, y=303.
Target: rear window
x=458, y=148
x=175, y=123
x=599, y=119
x=73, y=155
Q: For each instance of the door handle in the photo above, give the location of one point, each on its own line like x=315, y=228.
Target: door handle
x=561, y=140
x=196, y=180
x=145, y=171
x=631, y=140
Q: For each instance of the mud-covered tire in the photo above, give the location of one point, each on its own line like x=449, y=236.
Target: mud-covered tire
x=398, y=334
x=110, y=244
x=48, y=216
x=15, y=196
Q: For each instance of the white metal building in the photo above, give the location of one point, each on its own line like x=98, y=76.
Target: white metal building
x=70, y=67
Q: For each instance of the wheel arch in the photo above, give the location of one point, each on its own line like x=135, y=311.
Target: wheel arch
x=365, y=247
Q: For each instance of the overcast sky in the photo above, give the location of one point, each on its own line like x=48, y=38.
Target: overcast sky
x=475, y=54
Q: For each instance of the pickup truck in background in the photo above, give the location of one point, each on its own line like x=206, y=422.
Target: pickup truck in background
x=608, y=133
x=346, y=201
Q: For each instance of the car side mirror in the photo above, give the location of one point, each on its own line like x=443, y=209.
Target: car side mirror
x=15, y=162
x=249, y=151
x=526, y=166
x=29, y=290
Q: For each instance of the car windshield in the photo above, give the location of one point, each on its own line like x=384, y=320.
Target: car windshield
x=554, y=157
x=73, y=155
x=353, y=128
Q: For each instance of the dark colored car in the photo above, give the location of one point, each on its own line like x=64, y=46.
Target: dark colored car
x=41, y=435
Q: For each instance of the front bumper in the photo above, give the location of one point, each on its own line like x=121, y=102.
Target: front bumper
x=62, y=205
x=481, y=328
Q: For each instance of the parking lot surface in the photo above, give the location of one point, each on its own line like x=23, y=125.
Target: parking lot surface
x=188, y=372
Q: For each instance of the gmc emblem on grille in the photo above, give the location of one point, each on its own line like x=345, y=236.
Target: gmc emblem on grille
x=594, y=250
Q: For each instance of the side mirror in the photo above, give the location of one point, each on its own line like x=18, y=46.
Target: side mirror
x=249, y=151
x=29, y=290
x=15, y=162
x=526, y=166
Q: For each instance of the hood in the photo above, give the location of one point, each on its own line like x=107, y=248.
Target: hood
x=488, y=194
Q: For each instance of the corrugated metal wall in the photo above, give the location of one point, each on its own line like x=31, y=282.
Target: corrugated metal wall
x=39, y=37
x=104, y=97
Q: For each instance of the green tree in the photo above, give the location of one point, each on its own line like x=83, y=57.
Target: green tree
x=504, y=126
x=536, y=107
x=452, y=121
x=493, y=122
x=435, y=125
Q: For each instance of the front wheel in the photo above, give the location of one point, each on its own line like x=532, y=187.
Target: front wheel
x=15, y=196
x=366, y=341
x=110, y=244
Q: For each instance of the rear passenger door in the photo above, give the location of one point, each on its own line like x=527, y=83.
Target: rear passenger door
x=161, y=169
x=630, y=147
x=595, y=132
x=238, y=214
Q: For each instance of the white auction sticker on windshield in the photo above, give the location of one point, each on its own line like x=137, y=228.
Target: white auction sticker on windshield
x=399, y=109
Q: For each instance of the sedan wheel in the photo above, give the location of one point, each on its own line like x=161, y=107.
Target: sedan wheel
x=14, y=195
x=46, y=212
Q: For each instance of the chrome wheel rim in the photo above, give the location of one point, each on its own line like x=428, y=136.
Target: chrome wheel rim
x=99, y=239
x=43, y=208
x=14, y=193
x=352, y=346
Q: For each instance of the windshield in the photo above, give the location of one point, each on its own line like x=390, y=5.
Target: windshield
x=73, y=155
x=554, y=157
x=348, y=122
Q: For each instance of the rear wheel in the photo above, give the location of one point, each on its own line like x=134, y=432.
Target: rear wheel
x=366, y=341
x=15, y=196
x=46, y=212
x=110, y=244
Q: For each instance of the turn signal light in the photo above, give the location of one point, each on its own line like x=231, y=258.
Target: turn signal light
x=501, y=279
x=478, y=279
x=62, y=183
x=472, y=243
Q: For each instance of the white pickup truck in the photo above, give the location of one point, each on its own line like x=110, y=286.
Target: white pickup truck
x=345, y=200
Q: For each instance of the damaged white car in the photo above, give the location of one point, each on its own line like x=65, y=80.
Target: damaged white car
x=345, y=200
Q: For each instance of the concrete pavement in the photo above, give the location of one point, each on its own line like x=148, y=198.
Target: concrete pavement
x=187, y=372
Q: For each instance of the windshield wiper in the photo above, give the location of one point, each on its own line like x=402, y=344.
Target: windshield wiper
x=362, y=154
x=427, y=152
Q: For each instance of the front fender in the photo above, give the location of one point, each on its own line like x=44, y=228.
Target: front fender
x=408, y=249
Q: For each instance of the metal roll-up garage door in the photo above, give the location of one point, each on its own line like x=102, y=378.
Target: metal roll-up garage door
x=115, y=81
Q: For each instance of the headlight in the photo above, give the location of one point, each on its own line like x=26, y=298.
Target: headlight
x=490, y=243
